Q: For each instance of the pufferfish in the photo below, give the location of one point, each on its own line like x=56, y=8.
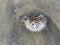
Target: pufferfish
x=35, y=23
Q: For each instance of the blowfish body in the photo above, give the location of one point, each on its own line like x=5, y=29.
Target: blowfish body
x=36, y=23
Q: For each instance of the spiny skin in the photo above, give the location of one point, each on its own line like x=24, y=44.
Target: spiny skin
x=36, y=23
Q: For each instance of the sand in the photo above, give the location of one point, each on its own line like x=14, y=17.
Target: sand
x=13, y=32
